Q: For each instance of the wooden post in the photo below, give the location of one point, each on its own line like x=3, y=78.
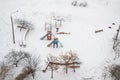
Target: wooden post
x=100, y=30
x=12, y=30
x=51, y=70
x=66, y=68
x=46, y=68
x=74, y=67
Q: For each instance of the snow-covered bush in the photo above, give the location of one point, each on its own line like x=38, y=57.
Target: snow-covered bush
x=23, y=24
x=83, y=4
x=14, y=57
x=74, y=3
x=80, y=3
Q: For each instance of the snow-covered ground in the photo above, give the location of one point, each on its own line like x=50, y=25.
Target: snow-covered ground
x=94, y=49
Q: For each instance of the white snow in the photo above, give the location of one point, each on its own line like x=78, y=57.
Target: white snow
x=94, y=49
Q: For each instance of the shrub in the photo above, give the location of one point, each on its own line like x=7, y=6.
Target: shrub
x=115, y=72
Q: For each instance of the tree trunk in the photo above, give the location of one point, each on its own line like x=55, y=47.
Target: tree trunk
x=33, y=75
x=16, y=65
x=74, y=67
x=21, y=29
x=66, y=68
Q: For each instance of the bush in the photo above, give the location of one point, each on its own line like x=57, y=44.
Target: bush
x=25, y=72
x=115, y=72
x=4, y=68
x=83, y=4
x=80, y=3
x=74, y=3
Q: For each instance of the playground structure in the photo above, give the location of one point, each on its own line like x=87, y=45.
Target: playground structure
x=55, y=43
x=48, y=26
x=26, y=27
x=63, y=33
x=23, y=44
x=58, y=19
x=21, y=27
x=57, y=22
x=49, y=35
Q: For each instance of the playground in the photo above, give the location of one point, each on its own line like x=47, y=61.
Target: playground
x=57, y=27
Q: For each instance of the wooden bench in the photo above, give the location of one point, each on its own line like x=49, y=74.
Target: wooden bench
x=100, y=30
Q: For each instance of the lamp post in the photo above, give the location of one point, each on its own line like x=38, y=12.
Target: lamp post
x=13, y=34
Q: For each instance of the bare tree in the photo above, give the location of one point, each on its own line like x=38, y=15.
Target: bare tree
x=14, y=57
x=52, y=58
x=116, y=45
x=23, y=24
x=117, y=48
x=68, y=58
x=33, y=63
